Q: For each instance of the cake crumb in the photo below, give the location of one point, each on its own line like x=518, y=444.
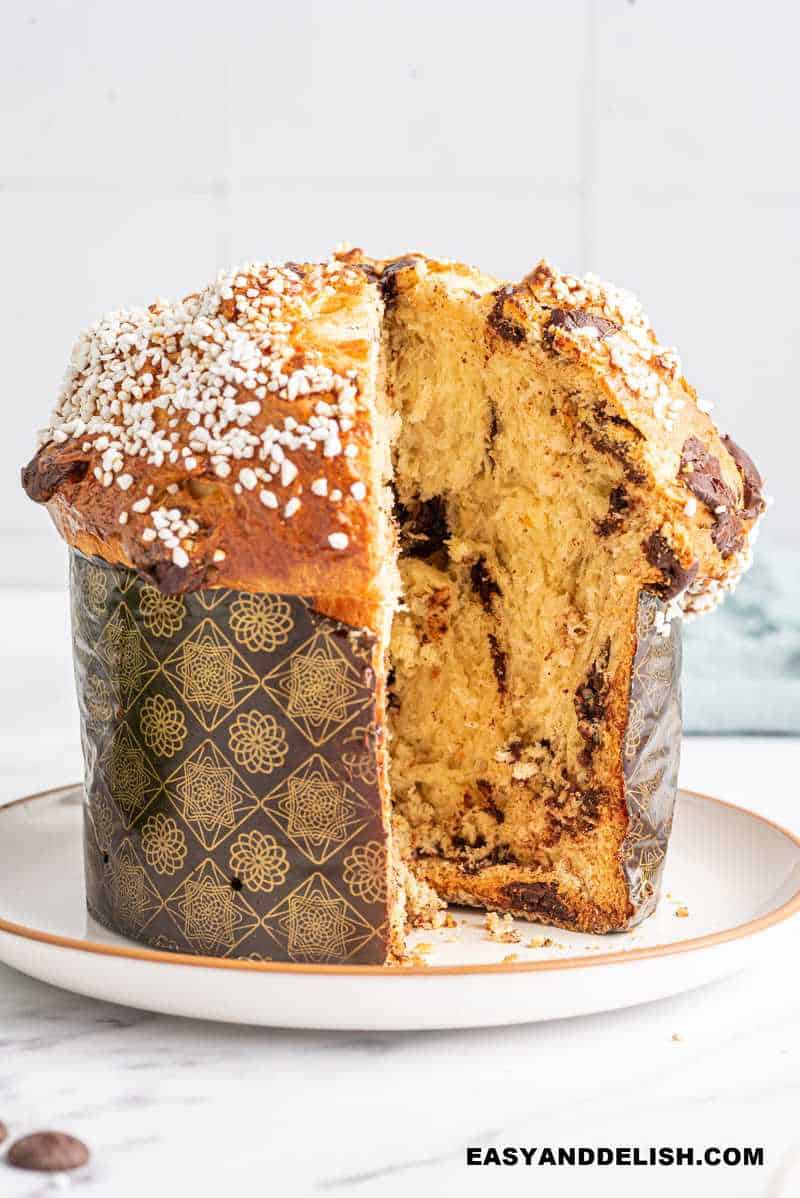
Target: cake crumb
x=678, y=1038
x=417, y=955
x=682, y=912
x=501, y=928
x=537, y=942
x=507, y=960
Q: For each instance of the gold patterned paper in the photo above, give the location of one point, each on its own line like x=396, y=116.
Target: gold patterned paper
x=651, y=754
x=232, y=790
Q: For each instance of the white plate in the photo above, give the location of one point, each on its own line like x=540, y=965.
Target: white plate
x=738, y=875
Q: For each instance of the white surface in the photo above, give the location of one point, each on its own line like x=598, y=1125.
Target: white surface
x=173, y=1105
x=651, y=142
x=725, y=867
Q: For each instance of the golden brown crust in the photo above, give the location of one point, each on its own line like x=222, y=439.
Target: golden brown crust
x=96, y=473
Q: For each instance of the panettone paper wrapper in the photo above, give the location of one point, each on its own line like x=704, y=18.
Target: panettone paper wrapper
x=231, y=757
x=651, y=753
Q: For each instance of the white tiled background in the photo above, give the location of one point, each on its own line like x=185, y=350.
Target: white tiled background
x=144, y=145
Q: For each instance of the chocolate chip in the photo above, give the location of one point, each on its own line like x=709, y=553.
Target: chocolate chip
x=537, y=898
x=618, y=500
x=392, y=698
x=368, y=270
x=48, y=1152
x=570, y=319
x=45, y=473
x=388, y=282
x=677, y=578
x=751, y=479
x=727, y=533
x=470, y=864
x=590, y=697
x=499, y=663
x=702, y=473
x=175, y=580
x=617, y=449
x=494, y=429
x=487, y=795
x=618, y=505
x=424, y=527
x=483, y=584
x=500, y=855
x=591, y=801
x=499, y=322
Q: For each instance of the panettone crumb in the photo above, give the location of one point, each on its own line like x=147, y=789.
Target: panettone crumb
x=414, y=958
x=421, y=905
x=501, y=928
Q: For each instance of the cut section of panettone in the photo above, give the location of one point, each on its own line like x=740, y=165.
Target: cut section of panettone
x=552, y=470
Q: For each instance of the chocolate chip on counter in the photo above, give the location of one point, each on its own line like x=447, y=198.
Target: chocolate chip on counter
x=48, y=1152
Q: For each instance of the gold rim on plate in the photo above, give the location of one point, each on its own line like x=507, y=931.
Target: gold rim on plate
x=135, y=953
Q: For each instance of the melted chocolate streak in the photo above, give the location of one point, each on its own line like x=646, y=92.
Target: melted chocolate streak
x=44, y=474
x=702, y=474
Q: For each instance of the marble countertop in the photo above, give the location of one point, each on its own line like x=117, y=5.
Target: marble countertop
x=175, y=1106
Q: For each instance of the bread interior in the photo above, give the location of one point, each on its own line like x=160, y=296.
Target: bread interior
x=520, y=555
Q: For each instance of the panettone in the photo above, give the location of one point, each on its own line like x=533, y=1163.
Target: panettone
x=377, y=576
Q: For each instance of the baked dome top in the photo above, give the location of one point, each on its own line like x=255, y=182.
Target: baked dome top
x=224, y=440
x=233, y=438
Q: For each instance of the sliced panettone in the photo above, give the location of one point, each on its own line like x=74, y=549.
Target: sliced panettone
x=510, y=490
x=551, y=468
